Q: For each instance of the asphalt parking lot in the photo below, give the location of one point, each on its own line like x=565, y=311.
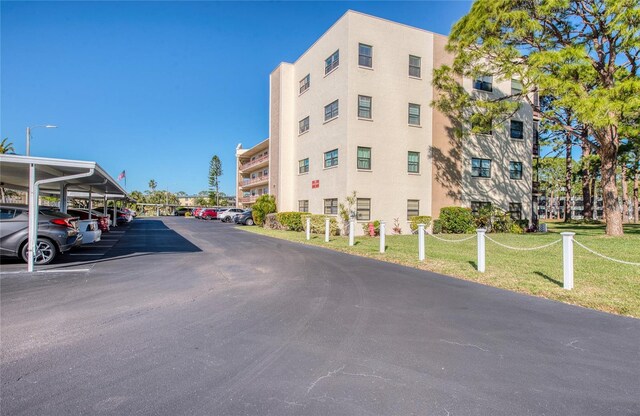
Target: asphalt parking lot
x=176, y=316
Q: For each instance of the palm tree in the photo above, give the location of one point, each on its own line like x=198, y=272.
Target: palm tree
x=6, y=148
x=153, y=185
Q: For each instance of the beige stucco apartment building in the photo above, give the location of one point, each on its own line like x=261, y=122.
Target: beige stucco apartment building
x=353, y=114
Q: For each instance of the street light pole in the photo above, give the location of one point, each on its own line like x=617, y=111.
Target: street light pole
x=47, y=126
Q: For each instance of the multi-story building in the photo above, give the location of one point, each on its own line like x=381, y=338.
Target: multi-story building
x=353, y=113
x=252, y=173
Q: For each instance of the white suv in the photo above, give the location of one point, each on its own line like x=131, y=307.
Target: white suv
x=228, y=214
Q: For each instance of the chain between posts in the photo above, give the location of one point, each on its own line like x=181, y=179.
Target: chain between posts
x=603, y=256
x=452, y=241
x=522, y=248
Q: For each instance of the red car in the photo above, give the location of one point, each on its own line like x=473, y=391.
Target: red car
x=83, y=214
x=209, y=214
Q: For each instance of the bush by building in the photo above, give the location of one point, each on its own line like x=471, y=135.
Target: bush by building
x=266, y=204
x=457, y=220
x=419, y=219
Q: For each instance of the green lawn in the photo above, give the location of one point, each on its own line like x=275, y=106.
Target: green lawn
x=598, y=283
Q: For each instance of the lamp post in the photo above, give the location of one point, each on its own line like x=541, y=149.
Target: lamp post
x=46, y=126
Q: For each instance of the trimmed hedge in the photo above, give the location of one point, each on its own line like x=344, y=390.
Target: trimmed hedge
x=296, y=221
x=457, y=220
x=419, y=219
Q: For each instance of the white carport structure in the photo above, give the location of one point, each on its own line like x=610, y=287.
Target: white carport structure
x=55, y=176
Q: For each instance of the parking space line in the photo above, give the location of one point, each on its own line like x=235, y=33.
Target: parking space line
x=49, y=271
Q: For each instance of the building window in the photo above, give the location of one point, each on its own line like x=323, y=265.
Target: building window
x=414, y=162
x=331, y=206
x=481, y=124
x=515, y=170
x=332, y=62
x=364, y=106
x=303, y=166
x=413, y=208
x=515, y=210
x=331, y=158
x=364, y=158
x=414, y=114
x=365, y=55
x=305, y=83
x=363, y=209
x=517, y=129
x=478, y=206
x=303, y=125
x=415, y=66
x=483, y=83
x=516, y=87
x=303, y=205
x=480, y=168
x=331, y=111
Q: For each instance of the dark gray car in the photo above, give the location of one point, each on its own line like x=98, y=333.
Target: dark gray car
x=57, y=233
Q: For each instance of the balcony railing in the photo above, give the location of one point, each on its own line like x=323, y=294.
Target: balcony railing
x=254, y=162
x=250, y=199
x=253, y=181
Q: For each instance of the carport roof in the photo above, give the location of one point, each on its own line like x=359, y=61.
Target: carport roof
x=14, y=174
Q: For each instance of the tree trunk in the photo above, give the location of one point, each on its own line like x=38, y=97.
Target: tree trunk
x=636, y=179
x=625, y=194
x=608, y=152
x=567, y=179
x=587, y=211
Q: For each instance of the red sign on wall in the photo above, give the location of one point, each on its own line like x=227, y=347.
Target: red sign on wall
x=315, y=184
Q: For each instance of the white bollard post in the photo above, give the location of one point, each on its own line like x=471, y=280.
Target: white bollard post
x=481, y=253
x=567, y=260
x=327, y=229
x=382, y=236
x=308, y=228
x=421, y=242
x=352, y=231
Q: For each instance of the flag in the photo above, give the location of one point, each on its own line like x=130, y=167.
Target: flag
x=122, y=176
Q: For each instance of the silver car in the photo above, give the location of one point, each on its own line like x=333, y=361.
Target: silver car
x=57, y=233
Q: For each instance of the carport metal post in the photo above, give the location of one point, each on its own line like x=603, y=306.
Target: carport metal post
x=114, y=214
x=34, y=190
x=90, y=201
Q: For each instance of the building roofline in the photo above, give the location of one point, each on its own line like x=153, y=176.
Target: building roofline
x=350, y=11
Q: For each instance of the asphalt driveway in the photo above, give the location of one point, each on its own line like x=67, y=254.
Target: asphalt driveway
x=186, y=317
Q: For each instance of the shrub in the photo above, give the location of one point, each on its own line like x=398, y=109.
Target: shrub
x=376, y=228
x=437, y=226
x=456, y=220
x=317, y=224
x=419, y=219
x=396, y=226
x=266, y=204
x=291, y=220
x=271, y=221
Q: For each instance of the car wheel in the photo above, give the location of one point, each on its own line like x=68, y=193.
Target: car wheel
x=45, y=252
x=249, y=221
x=207, y=218
x=227, y=219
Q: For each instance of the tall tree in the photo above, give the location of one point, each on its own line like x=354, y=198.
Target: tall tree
x=153, y=185
x=584, y=52
x=215, y=171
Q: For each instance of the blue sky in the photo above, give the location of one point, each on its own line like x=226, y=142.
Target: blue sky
x=158, y=88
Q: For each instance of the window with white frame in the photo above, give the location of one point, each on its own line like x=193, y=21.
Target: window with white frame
x=364, y=106
x=413, y=162
x=331, y=158
x=480, y=168
x=363, y=209
x=331, y=111
x=331, y=206
x=365, y=55
x=332, y=62
x=364, y=158
x=413, y=208
x=414, y=114
x=483, y=83
x=415, y=66
x=303, y=166
x=303, y=125
x=305, y=83
x=515, y=170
